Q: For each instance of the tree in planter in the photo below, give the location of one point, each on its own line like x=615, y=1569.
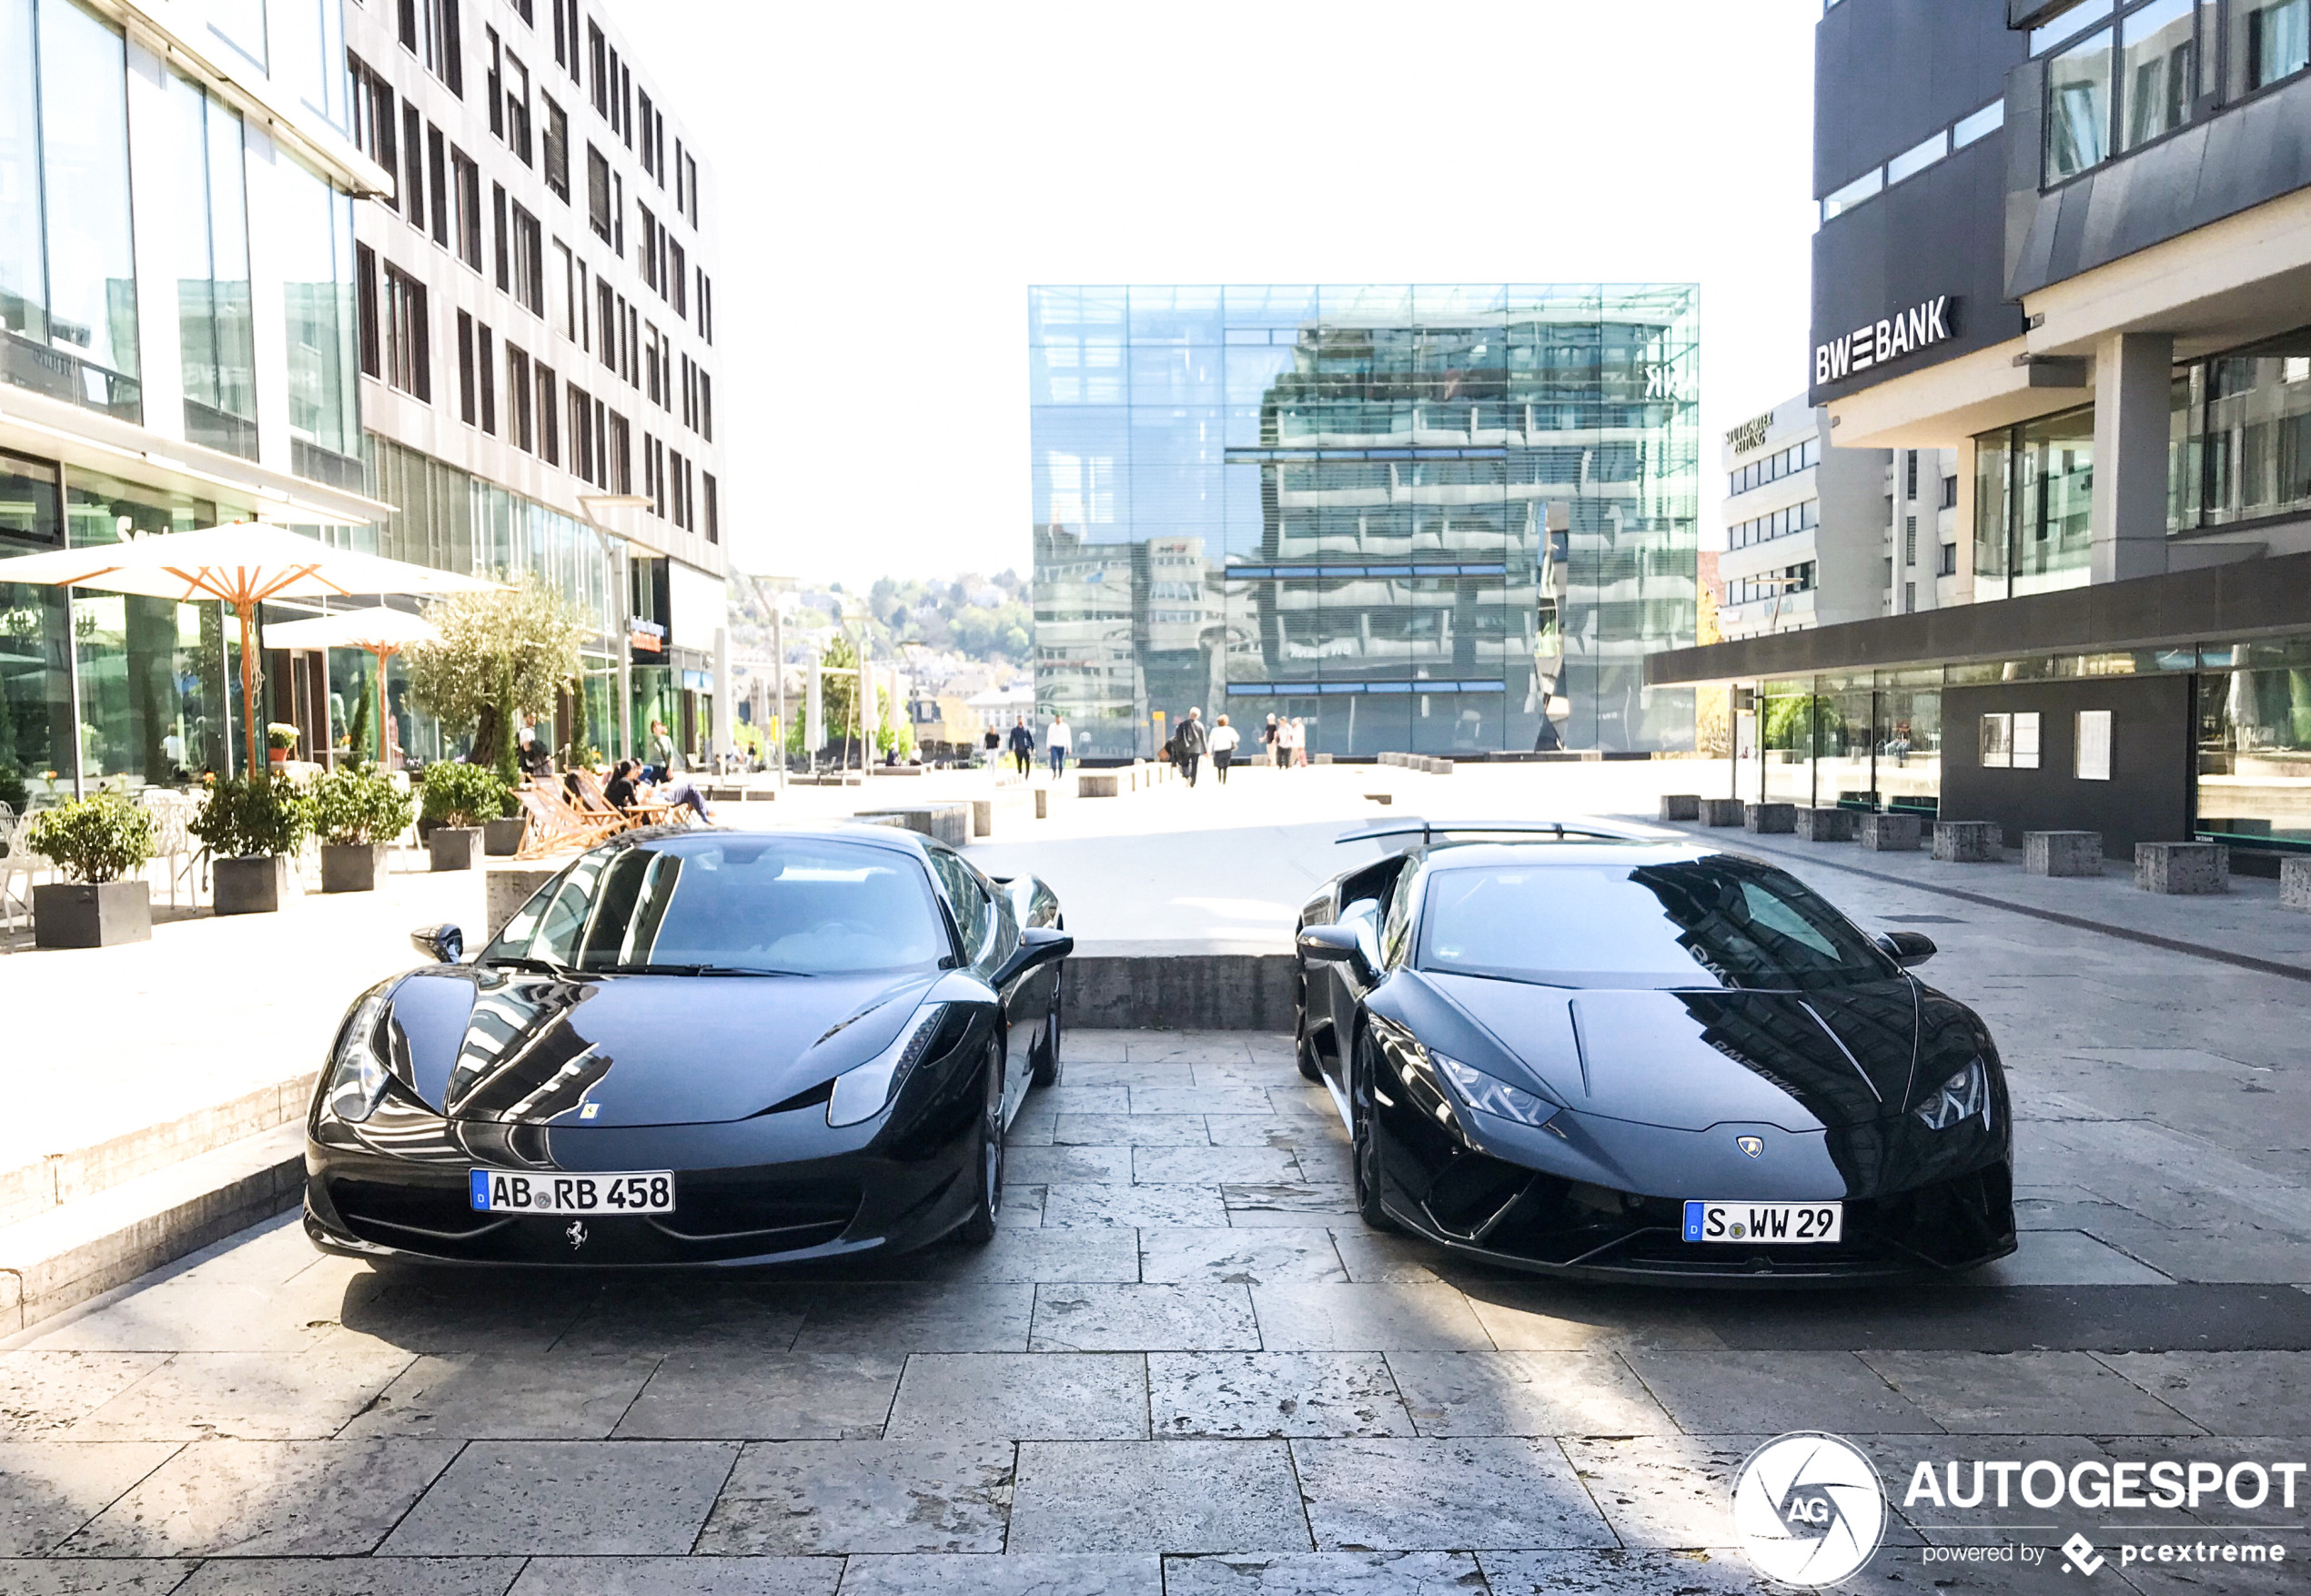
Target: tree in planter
x=93, y=840
x=359, y=805
x=356, y=731
x=460, y=794
x=253, y=817
x=507, y=761
x=502, y=654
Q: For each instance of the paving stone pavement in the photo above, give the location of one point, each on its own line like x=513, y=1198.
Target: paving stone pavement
x=1185, y=1368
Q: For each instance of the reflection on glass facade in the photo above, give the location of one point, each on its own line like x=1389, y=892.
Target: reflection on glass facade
x=2033, y=488
x=208, y=238
x=1436, y=518
x=68, y=270
x=317, y=262
x=1866, y=741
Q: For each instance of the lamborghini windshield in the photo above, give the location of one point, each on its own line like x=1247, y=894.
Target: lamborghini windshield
x=1716, y=922
x=728, y=904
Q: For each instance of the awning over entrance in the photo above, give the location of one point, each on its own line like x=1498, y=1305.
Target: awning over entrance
x=2241, y=599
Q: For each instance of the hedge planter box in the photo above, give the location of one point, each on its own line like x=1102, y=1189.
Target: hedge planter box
x=1769, y=817
x=351, y=867
x=1969, y=842
x=502, y=839
x=2181, y=869
x=256, y=883
x=74, y=914
x=1680, y=806
x=1722, y=811
x=455, y=847
x=1891, y=832
x=1825, y=823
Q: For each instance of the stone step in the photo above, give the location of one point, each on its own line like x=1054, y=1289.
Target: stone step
x=59, y=1259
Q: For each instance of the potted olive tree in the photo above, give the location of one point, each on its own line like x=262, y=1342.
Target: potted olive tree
x=356, y=812
x=251, y=826
x=459, y=798
x=102, y=843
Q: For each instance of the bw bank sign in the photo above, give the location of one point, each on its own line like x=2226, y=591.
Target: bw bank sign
x=1874, y=343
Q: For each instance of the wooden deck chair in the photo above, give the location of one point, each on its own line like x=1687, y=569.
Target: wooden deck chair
x=553, y=826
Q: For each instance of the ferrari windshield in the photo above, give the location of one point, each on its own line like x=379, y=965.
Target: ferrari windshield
x=1716, y=922
x=726, y=904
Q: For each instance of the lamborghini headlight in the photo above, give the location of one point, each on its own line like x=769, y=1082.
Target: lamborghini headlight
x=1489, y=1093
x=863, y=1093
x=1959, y=1098
x=358, y=1074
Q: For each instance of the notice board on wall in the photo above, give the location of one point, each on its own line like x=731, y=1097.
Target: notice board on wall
x=2094, y=745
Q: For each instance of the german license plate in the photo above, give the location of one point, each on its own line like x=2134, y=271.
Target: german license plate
x=1770, y=1224
x=502, y=1191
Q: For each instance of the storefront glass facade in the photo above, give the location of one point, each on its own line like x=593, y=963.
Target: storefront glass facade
x=2033, y=485
x=1336, y=504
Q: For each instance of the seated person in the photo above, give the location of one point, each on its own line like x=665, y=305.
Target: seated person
x=624, y=785
x=630, y=782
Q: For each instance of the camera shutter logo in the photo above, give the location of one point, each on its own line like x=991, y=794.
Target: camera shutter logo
x=1809, y=1509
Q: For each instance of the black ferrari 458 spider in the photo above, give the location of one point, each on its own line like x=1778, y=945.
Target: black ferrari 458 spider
x=1593, y=1054
x=698, y=1047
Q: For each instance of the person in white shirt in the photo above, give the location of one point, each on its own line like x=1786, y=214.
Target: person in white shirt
x=1056, y=737
x=1223, y=743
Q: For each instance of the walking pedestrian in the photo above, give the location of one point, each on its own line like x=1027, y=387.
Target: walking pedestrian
x=1299, y=743
x=1056, y=738
x=992, y=744
x=1283, y=743
x=1192, y=741
x=1023, y=745
x=663, y=759
x=1224, y=740
x=1268, y=745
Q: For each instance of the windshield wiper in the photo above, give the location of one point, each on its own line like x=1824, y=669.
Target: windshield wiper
x=690, y=970
x=522, y=962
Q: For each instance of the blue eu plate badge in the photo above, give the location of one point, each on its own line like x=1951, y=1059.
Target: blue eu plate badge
x=477, y=1191
x=1692, y=1220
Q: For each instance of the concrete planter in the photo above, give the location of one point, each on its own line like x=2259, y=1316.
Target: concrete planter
x=982, y=817
x=351, y=867
x=1769, y=817
x=1680, y=806
x=2294, y=881
x=2062, y=853
x=455, y=847
x=502, y=839
x=1888, y=834
x=1969, y=842
x=508, y=887
x=78, y=914
x=1826, y=824
x=1722, y=811
x=2183, y=869
x=254, y=884
x=1094, y=784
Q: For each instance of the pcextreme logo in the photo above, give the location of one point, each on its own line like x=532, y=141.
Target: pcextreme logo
x=1809, y=1509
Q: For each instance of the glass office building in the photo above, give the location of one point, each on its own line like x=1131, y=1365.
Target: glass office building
x=1435, y=519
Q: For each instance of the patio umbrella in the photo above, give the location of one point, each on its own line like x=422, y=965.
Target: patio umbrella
x=242, y=563
x=382, y=631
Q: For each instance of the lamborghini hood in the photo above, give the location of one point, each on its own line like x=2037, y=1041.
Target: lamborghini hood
x=634, y=1050
x=1689, y=1060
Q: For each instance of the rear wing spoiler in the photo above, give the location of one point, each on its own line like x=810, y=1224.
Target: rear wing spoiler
x=1416, y=832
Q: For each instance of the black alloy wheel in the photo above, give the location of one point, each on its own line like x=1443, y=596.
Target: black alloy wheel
x=1043, y=1063
x=1303, y=1050
x=1364, y=1146
x=979, y=1228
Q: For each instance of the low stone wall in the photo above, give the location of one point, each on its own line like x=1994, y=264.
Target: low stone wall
x=948, y=823
x=1182, y=992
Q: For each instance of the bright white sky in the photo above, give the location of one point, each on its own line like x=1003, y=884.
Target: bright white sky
x=891, y=177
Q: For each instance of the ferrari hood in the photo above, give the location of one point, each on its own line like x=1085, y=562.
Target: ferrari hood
x=632, y=1050
x=1689, y=1060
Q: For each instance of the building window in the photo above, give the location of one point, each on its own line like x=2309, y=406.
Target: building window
x=1787, y=463
x=678, y=277
x=689, y=166
x=2267, y=42
x=549, y=422
x=620, y=465
x=1948, y=565
x=2078, y=107
x=2159, y=71
x=706, y=405
x=1908, y=598
x=649, y=160
x=1949, y=493
x=557, y=149
x=706, y=307
x=206, y=240
x=2033, y=485
x=364, y=289
x=413, y=160
x=598, y=192
x=1980, y=125
x=1910, y=542
x=437, y=162
x=713, y=508
x=485, y=365
x=505, y=248
x=373, y=130
x=647, y=256
x=517, y=93
x=528, y=261
x=408, y=18
x=597, y=53
x=466, y=394
x=651, y=365
x=495, y=84
x=1919, y=157
x=444, y=49
x=519, y=431
x=405, y=355
x=1840, y=201
x=315, y=243
x=566, y=35
x=582, y=434
x=1910, y=474
x=606, y=318
x=677, y=483
x=468, y=179
x=2244, y=451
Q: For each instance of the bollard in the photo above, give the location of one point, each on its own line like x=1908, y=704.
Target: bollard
x=1969, y=842
x=2062, y=853
x=1769, y=817
x=2294, y=881
x=1721, y=812
x=1680, y=806
x=1825, y=823
x=1043, y=802
x=2180, y=868
x=1893, y=832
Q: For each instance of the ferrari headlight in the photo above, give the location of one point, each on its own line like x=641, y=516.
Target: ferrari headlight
x=1490, y=1094
x=1959, y=1098
x=358, y=1074
x=862, y=1092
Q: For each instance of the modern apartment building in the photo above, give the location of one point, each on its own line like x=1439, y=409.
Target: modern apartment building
x=538, y=351
x=1445, y=519
x=2069, y=241
x=177, y=348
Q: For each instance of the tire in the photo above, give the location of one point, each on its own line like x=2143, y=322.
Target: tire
x=1364, y=1152
x=1045, y=1064
x=979, y=1228
x=1303, y=1050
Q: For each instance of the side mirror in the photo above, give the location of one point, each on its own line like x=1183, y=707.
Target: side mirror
x=1038, y=945
x=444, y=944
x=1336, y=944
x=1906, y=947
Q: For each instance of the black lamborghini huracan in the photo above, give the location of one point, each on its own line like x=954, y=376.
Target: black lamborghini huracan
x=698, y=1047
x=1593, y=1054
